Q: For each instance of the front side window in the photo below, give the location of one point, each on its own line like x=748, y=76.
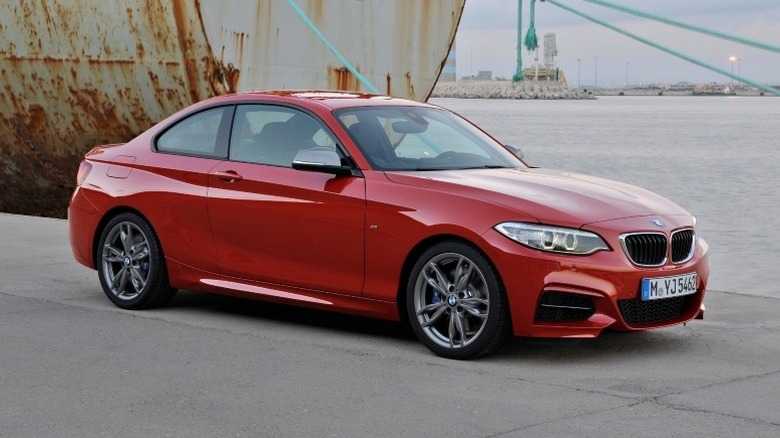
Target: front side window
x=269, y=134
x=198, y=134
x=413, y=138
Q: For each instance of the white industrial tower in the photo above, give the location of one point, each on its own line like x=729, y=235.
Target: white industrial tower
x=550, y=51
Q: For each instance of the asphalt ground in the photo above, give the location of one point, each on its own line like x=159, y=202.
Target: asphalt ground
x=73, y=365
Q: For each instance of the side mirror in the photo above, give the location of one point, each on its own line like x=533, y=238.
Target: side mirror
x=515, y=151
x=320, y=159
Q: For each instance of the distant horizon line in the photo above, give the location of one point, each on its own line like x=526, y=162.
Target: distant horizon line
x=634, y=85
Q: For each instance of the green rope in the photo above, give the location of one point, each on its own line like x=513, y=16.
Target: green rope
x=531, y=43
x=365, y=82
x=665, y=49
x=692, y=28
x=519, y=69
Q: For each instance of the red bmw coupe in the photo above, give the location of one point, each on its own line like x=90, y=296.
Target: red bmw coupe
x=380, y=207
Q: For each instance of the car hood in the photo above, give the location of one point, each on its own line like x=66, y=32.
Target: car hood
x=550, y=196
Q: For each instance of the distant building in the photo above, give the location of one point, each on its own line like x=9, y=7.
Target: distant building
x=485, y=75
x=543, y=74
x=682, y=86
x=448, y=73
x=482, y=75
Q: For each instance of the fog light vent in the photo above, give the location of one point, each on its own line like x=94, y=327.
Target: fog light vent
x=562, y=306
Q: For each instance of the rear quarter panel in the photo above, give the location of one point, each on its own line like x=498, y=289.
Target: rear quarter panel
x=168, y=190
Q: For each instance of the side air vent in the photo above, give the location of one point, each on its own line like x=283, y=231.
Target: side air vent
x=562, y=306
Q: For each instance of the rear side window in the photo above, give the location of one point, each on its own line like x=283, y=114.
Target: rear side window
x=198, y=134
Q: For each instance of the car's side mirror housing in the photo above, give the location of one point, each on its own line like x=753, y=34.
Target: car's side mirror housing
x=320, y=159
x=515, y=151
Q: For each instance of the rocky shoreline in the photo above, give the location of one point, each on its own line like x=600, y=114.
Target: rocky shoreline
x=508, y=90
x=548, y=90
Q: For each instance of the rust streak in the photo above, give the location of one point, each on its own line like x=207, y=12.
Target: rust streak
x=314, y=11
x=389, y=90
x=186, y=43
x=342, y=79
x=223, y=78
x=111, y=61
x=409, y=85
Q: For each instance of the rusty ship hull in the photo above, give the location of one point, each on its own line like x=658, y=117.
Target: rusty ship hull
x=77, y=73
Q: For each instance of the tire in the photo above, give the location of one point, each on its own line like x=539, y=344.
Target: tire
x=456, y=303
x=130, y=264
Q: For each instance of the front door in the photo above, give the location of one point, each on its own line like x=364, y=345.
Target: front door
x=282, y=226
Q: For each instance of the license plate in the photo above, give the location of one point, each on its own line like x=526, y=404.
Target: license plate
x=668, y=287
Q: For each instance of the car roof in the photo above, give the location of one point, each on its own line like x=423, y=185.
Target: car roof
x=328, y=98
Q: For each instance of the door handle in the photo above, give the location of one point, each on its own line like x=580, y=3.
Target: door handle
x=229, y=176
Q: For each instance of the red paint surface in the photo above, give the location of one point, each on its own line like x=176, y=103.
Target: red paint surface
x=343, y=243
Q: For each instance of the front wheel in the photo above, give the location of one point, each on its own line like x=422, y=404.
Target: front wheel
x=130, y=264
x=456, y=303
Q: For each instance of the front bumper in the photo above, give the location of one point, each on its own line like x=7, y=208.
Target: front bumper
x=594, y=292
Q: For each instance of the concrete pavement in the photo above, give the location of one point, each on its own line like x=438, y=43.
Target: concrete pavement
x=72, y=364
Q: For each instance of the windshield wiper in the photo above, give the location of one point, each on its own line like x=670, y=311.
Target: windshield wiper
x=484, y=166
x=424, y=169
x=487, y=166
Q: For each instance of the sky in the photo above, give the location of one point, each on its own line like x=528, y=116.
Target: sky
x=487, y=37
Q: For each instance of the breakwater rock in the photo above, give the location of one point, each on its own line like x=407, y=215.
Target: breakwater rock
x=508, y=90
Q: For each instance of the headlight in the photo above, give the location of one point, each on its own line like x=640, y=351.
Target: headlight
x=552, y=239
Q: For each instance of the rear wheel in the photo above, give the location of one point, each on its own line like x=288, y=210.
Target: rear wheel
x=455, y=302
x=130, y=264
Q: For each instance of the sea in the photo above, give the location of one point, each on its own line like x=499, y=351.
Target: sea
x=716, y=156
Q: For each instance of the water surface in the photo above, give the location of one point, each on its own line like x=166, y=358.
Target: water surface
x=718, y=157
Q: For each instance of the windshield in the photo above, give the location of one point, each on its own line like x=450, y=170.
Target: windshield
x=415, y=138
